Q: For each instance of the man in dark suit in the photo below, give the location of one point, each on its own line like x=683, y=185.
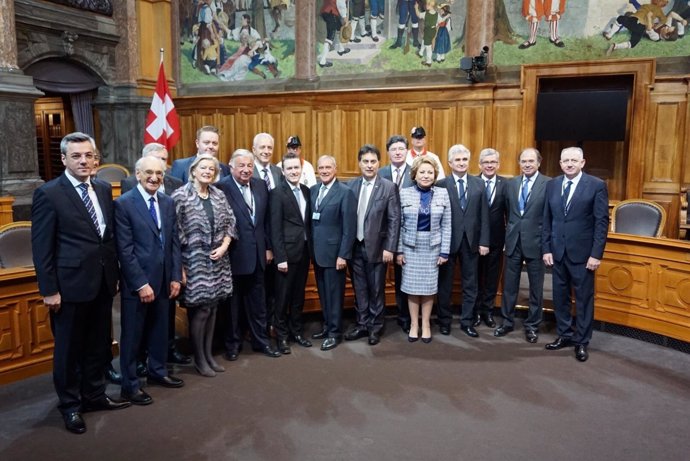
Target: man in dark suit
x=334, y=223
x=170, y=184
x=469, y=240
x=148, y=248
x=207, y=142
x=576, y=222
x=490, y=264
x=290, y=237
x=525, y=204
x=248, y=197
x=76, y=267
x=398, y=171
x=378, y=227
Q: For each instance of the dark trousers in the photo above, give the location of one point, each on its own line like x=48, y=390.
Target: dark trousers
x=369, y=280
x=82, y=341
x=567, y=277
x=171, y=347
x=468, y=266
x=401, y=298
x=248, y=297
x=289, y=291
x=511, y=287
x=489, y=273
x=270, y=292
x=143, y=326
x=331, y=286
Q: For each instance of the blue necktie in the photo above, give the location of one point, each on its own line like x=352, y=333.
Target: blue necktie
x=89, y=206
x=488, y=191
x=267, y=179
x=152, y=211
x=524, y=193
x=461, y=194
x=564, y=197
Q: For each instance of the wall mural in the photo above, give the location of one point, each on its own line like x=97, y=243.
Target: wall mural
x=254, y=40
x=97, y=6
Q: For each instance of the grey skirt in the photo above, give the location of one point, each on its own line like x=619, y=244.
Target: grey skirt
x=420, y=272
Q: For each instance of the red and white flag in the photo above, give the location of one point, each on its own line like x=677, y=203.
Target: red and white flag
x=162, y=123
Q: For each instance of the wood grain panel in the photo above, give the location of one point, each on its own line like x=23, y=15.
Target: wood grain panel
x=376, y=129
x=348, y=134
x=505, y=135
x=444, y=123
x=475, y=131
x=663, y=148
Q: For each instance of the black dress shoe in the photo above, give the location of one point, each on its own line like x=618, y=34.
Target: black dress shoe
x=283, y=347
x=581, y=353
x=112, y=375
x=426, y=340
x=326, y=64
x=231, y=356
x=268, y=351
x=374, y=339
x=139, y=397
x=502, y=331
x=74, y=422
x=405, y=326
x=319, y=335
x=470, y=331
x=356, y=333
x=445, y=329
x=489, y=320
x=142, y=370
x=329, y=343
x=177, y=358
x=559, y=343
x=302, y=341
x=477, y=321
x=104, y=403
x=531, y=336
x=165, y=381
x=345, y=51
x=525, y=45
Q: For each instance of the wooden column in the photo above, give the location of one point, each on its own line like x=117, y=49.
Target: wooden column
x=305, y=40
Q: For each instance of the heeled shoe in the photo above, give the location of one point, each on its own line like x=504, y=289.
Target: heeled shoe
x=412, y=339
x=426, y=340
x=205, y=371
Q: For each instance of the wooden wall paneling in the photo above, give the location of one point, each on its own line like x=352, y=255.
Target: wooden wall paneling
x=444, y=119
x=475, y=130
x=412, y=115
x=376, y=129
x=685, y=156
x=225, y=122
x=185, y=146
x=324, y=140
x=154, y=33
x=247, y=124
x=296, y=121
x=348, y=135
x=505, y=134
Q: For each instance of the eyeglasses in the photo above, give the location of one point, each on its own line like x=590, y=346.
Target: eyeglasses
x=489, y=162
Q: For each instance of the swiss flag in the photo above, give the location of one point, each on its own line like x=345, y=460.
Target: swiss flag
x=162, y=123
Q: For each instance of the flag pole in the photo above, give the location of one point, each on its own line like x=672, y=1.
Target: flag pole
x=161, y=54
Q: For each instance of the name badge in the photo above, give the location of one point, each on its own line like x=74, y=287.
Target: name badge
x=315, y=216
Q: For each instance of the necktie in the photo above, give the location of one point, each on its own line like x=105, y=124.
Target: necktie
x=297, y=193
x=322, y=193
x=362, y=209
x=396, y=177
x=461, y=194
x=152, y=210
x=247, y=196
x=267, y=179
x=89, y=205
x=488, y=191
x=564, y=197
x=524, y=193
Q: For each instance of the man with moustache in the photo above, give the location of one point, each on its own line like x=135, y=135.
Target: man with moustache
x=469, y=239
x=148, y=248
x=525, y=204
x=290, y=236
x=398, y=171
x=490, y=264
x=207, y=142
x=333, y=225
x=378, y=227
x=248, y=197
x=576, y=221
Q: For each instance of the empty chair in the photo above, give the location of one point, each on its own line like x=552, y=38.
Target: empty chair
x=15, y=245
x=638, y=217
x=112, y=173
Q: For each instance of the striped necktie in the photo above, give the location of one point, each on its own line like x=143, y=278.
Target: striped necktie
x=89, y=206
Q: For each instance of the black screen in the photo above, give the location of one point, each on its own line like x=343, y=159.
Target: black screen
x=598, y=115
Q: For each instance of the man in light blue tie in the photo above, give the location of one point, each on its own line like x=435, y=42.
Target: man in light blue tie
x=525, y=204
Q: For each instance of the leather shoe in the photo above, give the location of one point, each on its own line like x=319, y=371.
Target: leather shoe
x=142, y=370
x=283, y=346
x=319, y=335
x=104, y=403
x=74, y=422
x=445, y=329
x=112, y=375
x=374, y=339
x=177, y=358
x=581, y=353
x=559, y=343
x=405, y=326
x=302, y=341
x=470, y=331
x=139, y=397
x=531, y=336
x=231, y=356
x=489, y=320
x=477, y=321
x=356, y=333
x=165, y=381
x=329, y=343
x=268, y=351
x=502, y=331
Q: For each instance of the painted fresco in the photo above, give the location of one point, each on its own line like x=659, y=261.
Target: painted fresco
x=236, y=40
x=97, y=6
x=531, y=31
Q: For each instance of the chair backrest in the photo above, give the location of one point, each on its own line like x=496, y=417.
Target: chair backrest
x=112, y=172
x=638, y=217
x=15, y=245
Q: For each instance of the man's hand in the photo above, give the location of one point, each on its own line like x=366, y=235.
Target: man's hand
x=269, y=256
x=174, y=289
x=146, y=294
x=593, y=263
x=400, y=260
x=282, y=267
x=387, y=256
x=548, y=259
x=53, y=302
x=340, y=263
x=483, y=250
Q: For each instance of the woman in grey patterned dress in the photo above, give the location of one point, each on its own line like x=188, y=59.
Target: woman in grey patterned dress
x=424, y=242
x=207, y=226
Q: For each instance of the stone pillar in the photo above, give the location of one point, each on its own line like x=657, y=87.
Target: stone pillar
x=305, y=40
x=18, y=152
x=480, y=27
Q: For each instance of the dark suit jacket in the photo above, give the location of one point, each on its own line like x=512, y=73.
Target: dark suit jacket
x=528, y=227
x=253, y=239
x=180, y=169
x=276, y=173
x=69, y=256
x=142, y=260
x=382, y=218
x=582, y=232
x=387, y=173
x=474, y=221
x=287, y=227
x=334, y=233
x=497, y=213
x=171, y=184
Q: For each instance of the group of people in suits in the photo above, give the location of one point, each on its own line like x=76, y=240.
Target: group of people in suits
x=239, y=240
